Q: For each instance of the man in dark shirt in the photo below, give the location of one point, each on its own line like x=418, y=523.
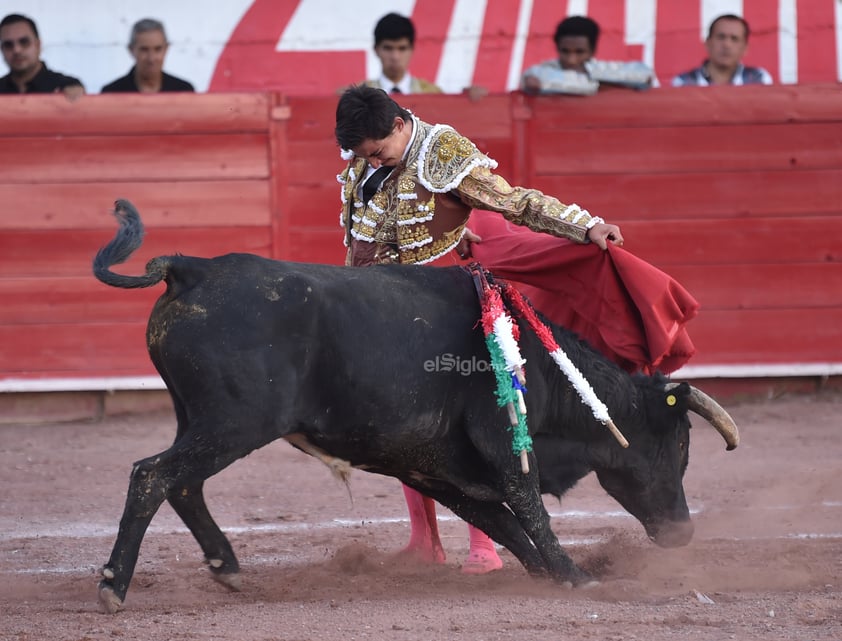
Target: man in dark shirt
x=148, y=46
x=27, y=72
x=727, y=43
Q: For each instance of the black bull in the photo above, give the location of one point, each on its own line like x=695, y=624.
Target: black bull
x=346, y=364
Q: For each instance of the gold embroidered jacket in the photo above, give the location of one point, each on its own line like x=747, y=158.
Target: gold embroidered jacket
x=419, y=212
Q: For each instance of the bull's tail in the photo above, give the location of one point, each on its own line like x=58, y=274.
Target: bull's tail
x=129, y=237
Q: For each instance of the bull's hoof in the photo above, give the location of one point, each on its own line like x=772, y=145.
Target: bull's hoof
x=577, y=579
x=588, y=585
x=108, y=599
x=226, y=574
x=230, y=580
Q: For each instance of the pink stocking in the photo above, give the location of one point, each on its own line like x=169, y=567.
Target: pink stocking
x=483, y=557
x=424, y=541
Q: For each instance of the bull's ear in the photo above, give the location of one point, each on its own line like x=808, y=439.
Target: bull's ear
x=676, y=397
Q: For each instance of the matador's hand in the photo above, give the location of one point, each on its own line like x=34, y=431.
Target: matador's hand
x=603, y=233
x=464, y=246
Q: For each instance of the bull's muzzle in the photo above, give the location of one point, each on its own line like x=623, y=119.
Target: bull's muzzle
x=671, y=534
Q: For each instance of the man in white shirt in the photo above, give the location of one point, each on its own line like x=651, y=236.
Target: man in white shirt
x=394, y=43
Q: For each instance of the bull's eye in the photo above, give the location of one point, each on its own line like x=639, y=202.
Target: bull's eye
x=671, y=400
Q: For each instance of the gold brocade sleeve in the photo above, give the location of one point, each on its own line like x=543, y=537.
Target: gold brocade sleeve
x=482, y=189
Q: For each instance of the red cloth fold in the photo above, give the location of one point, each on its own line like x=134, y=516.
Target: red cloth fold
x=626, y=308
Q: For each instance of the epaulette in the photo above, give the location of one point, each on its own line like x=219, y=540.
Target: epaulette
x=446, y=157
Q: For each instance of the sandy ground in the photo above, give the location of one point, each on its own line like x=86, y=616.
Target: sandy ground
x=765, y=562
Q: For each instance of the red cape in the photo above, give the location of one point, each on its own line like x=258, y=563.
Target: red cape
x=629, y=310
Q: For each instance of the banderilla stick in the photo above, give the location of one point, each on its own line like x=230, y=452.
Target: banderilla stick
x=617, y=434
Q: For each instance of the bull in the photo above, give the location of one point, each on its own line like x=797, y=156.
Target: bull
x=337, y=361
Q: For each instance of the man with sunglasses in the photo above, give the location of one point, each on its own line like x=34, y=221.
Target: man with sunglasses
x=21, y=48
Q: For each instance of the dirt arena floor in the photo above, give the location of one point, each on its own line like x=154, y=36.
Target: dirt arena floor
x=765, y=562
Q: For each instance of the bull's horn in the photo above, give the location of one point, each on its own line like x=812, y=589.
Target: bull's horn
x=713, y=413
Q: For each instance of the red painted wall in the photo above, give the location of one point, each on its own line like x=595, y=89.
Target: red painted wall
x=794, y=40
x=735, y=191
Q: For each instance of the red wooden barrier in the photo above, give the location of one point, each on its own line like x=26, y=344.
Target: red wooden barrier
x=735, y=191
x=198, y=168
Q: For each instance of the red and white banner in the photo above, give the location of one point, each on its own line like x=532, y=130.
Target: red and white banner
x=312, y=47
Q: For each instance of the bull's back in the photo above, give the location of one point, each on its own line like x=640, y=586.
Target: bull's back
x=248, y=296
x=244, y=329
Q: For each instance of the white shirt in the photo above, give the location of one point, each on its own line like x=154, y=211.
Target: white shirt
x=405, y=85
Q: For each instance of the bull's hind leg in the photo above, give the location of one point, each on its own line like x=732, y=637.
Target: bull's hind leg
x=153, y=480
x=188, y=501
x=147, y=490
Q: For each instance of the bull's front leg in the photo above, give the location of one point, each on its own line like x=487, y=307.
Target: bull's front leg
x=147, y=490
x=523, y=496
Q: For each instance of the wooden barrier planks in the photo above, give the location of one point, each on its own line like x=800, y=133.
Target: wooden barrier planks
x=736, y=192
x=92, y=348
x=713, y=148
x=808, y=286
x=198, y=169
x=766, y=337
x=77, y=299
x=159, y=157
x=89, y=205
x=657, y=197
x=115, y=114
x=693, y=106
x=44, y=254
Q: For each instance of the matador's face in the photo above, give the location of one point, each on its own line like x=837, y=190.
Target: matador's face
x=388, y=150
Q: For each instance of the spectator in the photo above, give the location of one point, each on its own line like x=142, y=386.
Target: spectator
x=576, y=70
x=401, y=208
x=726, y=44
x=394, y=43
x=21, y=47
x=148, y=46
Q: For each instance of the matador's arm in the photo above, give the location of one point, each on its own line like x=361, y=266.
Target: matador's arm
x=482, y=189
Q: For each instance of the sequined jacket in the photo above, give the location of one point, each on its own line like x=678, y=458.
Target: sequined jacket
x=419, y=212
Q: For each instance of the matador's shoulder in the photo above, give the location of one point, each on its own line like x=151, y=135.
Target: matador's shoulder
x=446, y=157
x=424, y=86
